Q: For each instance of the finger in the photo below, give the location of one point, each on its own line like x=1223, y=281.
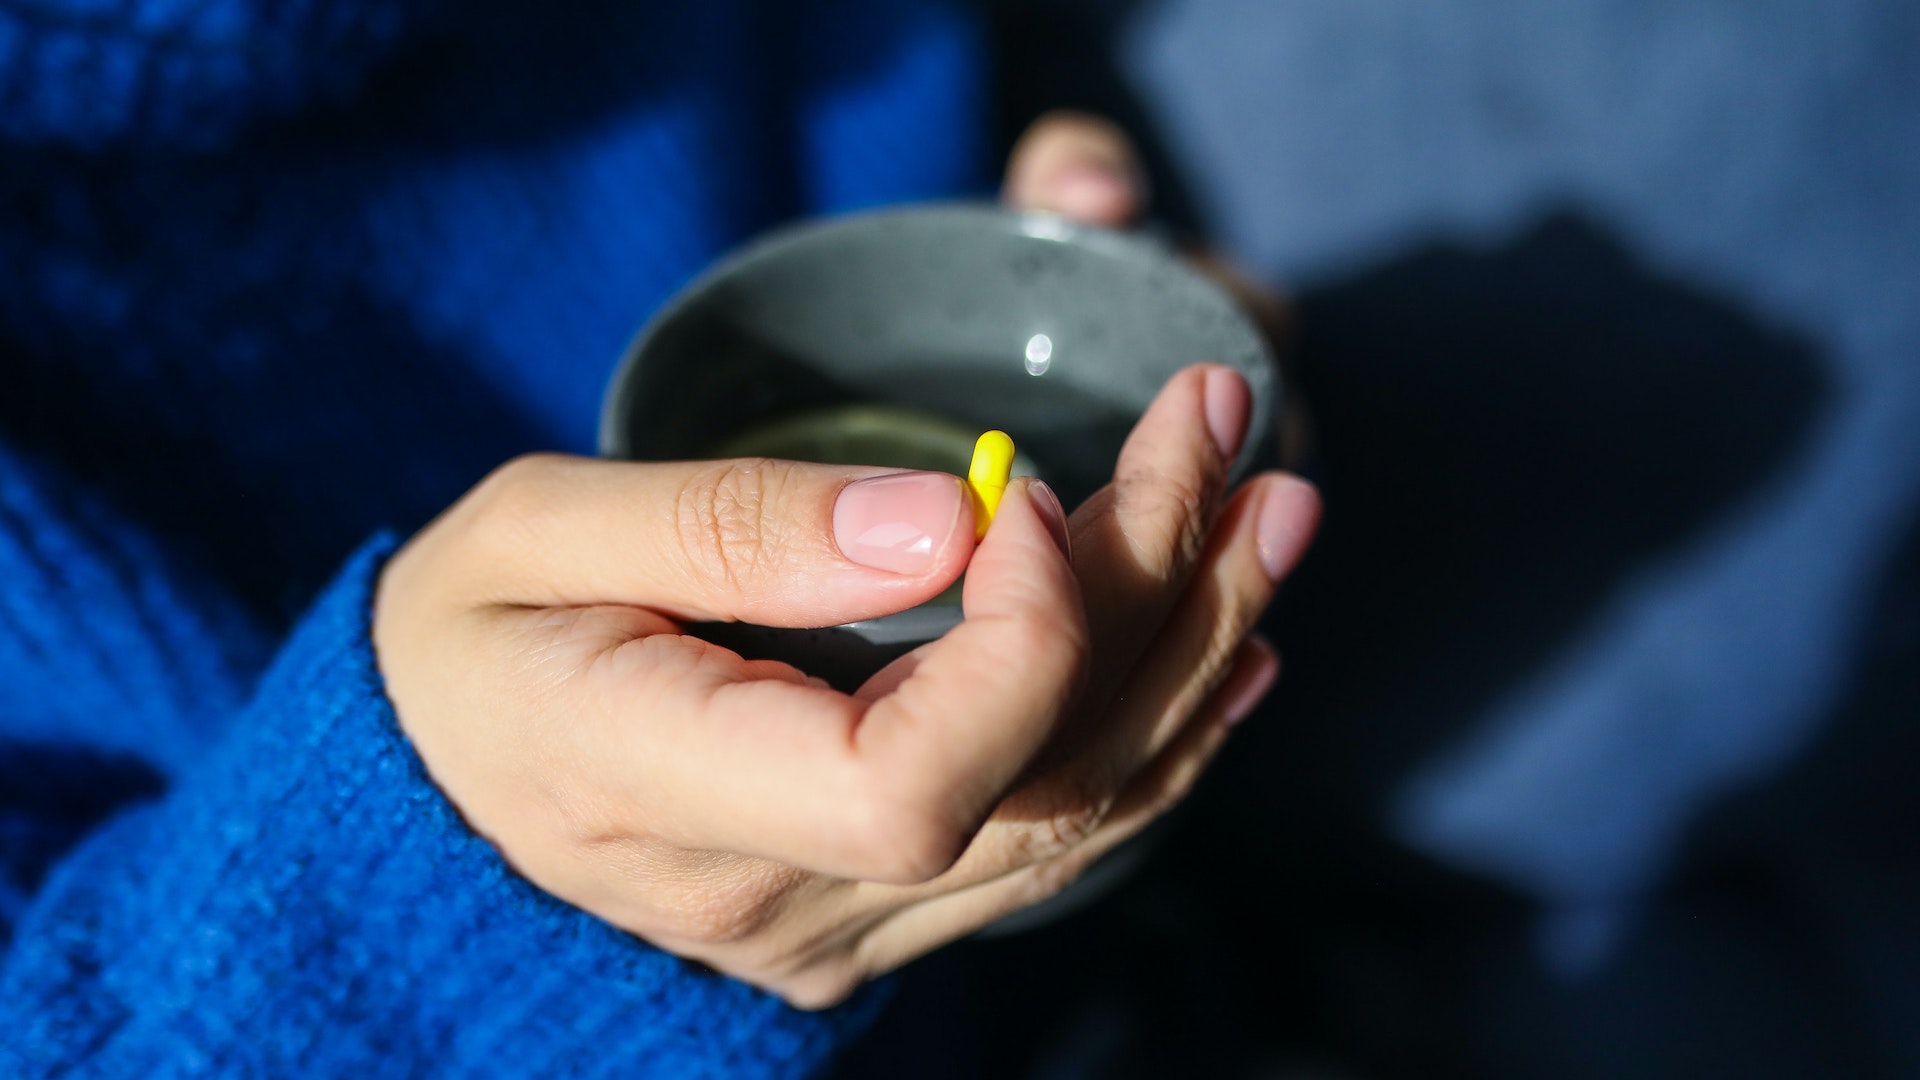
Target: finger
x=947, y=908
x=891, y=789
x=780, y=543
x=1014, y=548
x=1256, y=542
x=1141, y=535
x=889, y=925
x=1019, y=658
x=1078, y=165
x=1263, y=533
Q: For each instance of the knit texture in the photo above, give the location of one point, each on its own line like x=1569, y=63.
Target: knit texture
x=279, y=277
x=184, y=73
x=303, y=903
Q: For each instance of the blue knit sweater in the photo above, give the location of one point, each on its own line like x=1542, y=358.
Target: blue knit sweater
x=279, y=279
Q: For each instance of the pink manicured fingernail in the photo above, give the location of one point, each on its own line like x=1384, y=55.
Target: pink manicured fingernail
x=1228, y=404
x=1264, y=671
x=1288, y=518
x=897, y=522
x=1051, y=512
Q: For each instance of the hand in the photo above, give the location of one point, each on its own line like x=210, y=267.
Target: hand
x=737, y=813
x=741, y=814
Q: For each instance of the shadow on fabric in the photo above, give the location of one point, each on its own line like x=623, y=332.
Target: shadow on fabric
x=1505, y=436
x=1788, y=943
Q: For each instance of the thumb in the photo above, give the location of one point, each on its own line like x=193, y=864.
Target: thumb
x=1078, y=165
x=781, y=543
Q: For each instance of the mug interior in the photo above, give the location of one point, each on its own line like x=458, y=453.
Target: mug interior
x=972, y=317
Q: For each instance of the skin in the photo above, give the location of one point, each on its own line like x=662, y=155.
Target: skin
x=743, y=815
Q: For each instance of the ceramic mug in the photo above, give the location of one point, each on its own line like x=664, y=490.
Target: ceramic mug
x=895, y=337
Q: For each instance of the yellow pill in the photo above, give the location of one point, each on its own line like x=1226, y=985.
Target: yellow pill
x=987, y=477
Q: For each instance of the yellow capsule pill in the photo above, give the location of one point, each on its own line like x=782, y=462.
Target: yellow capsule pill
x=987, y=477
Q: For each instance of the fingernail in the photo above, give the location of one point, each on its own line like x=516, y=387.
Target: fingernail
x=1055, y=515
x=1228, y=404
x=1094, y=191
x=1263, y=670
x=897, y=522
x=1287, y=520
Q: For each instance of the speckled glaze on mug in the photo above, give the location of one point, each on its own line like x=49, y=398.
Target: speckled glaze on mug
x=1058, y=333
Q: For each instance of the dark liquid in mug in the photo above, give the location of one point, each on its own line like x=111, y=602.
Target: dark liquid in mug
x=886, y=435
x=919, y=416
x=737, y=397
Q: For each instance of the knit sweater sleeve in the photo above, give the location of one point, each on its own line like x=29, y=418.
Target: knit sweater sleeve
x=95, y=74
x=300, y=900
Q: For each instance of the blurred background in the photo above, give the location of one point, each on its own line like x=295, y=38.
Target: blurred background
x=1595, y=755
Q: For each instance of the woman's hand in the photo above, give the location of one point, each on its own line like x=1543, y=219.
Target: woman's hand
x=734, y=811
x=741, y=814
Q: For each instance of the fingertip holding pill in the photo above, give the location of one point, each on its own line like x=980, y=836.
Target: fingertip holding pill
x=987, y=477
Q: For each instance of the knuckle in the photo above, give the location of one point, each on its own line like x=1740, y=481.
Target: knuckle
x=513, y=506
x=1059, y=833
x=520, y=481
x=1167, y=513
x=1047, y=634
x=721, y=524
x=1073, y=819
x=903, y=843
x=1214, y=659
x=516, y=486
x=924, y=853
x=1064, y=629
x=1046, y=639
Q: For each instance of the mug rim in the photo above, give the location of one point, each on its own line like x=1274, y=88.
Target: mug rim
x=615, y=437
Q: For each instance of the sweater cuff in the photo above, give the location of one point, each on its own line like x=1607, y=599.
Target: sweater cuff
x=310, y=904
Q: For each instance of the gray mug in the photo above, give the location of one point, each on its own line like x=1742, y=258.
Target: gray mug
x=894, y=337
